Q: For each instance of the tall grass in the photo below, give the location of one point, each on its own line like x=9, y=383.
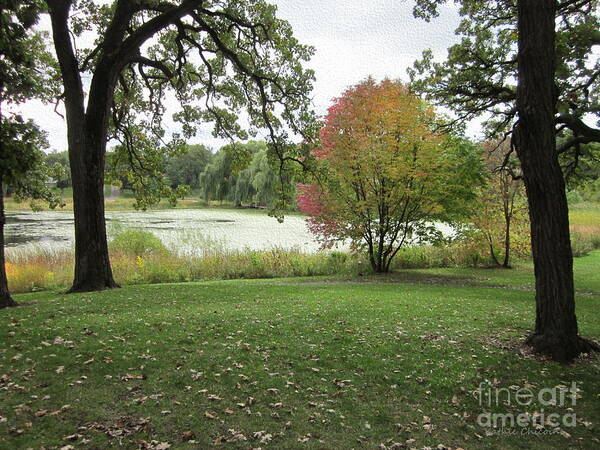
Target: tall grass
x=585, y=227
x=140, y=257
x=38, y=267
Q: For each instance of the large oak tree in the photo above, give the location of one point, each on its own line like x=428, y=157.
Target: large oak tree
x=555, y=331
x=217, y=58
x=528, y=67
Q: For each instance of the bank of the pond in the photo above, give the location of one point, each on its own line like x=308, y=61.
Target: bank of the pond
x=120, y=203
x=214, y=244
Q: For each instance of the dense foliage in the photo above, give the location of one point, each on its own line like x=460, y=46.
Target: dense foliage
x=385, y=174
x=23, y=75
x=479, y=76
x=244, y=174
x=186, y=168
x=21, y=157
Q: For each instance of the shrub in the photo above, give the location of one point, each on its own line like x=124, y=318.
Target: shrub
x=137, y=243
x=581, y=244
x=595, y=239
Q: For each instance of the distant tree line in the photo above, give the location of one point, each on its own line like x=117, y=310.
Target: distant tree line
x=240, y=173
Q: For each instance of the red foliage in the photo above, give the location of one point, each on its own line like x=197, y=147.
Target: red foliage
x=310, y=200
x=346, y=135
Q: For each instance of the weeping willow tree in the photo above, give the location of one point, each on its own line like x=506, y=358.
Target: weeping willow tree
x=244, y=174
x=218, y=178
x=258, y=184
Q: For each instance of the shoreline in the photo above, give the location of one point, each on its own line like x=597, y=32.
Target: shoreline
x=125, y=204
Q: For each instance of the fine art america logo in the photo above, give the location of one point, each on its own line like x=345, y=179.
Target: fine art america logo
x=527, y=410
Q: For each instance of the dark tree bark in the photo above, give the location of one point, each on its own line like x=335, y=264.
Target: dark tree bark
x=555, y=331
x=5, y=299
x=92, y=266
x=87, y=130
x=87, y=144
x=492, y=250
x=508, y=208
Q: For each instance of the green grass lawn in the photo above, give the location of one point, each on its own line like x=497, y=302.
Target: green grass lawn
x=289, y=363
x=125, y=202
x=587, y=275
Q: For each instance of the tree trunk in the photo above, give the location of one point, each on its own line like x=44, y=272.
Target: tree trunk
x=492, y=251
x=506, y=262
x=87, y=155
x=5, y=299
x=555, y=332
x=380, y=264
x=86, y=134
x=376, y=260
x=92, y=264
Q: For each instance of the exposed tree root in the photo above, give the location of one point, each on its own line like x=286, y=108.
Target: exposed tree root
x=560, y=349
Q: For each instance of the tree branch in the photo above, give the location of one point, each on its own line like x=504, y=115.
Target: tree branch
x=579, y=128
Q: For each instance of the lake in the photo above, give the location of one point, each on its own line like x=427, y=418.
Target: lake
x=185, y=231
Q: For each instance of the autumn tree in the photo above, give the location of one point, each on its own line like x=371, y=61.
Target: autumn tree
x=502, y=206
x=541, y=84
x=385, y=175
x=21, y=159
x=217, y=58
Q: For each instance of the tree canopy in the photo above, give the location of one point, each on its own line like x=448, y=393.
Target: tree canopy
x=216, y=59
x=233, y=63
x=479, y=76
x=387, y=175
x=187, y=167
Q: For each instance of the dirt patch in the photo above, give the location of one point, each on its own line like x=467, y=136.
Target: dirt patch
x=517, y=345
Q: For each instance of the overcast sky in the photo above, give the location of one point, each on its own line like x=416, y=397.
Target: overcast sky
x=353, y=39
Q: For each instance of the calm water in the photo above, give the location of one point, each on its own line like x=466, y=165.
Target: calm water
x=182, y=230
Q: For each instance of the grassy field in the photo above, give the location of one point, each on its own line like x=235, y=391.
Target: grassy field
x=585, y=219
x=317, y=363
x=585, y=214
x=586, y=272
